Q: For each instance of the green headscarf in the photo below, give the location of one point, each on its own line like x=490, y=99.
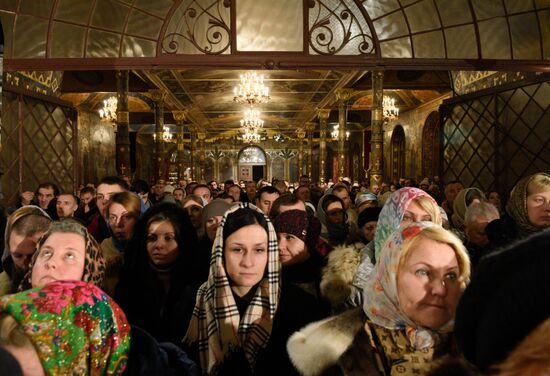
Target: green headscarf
x=75, y=327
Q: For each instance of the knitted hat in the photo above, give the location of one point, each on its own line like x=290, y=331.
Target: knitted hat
x=169, y=189
x=364, y=197
x=508, y=298
x=293, y=222
x=217, y=207
x=368, y=215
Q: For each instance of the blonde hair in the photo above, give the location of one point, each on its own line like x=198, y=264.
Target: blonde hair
x=531, y=356
x=440, y=235
x=129, y=200
x=11, y=333
x=430, y=206
x=539, y=183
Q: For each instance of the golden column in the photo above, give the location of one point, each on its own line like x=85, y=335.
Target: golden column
x=179, y=117
x=376, y=165
x=201, y=151
x=158, y=97
x=193, y=149
x=301, y=133
x=342, y=96
x=310, y=127
x=122, y=124
x=323, y=115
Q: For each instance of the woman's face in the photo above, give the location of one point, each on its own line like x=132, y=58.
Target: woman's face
x=162, y=246
x=245, y=255
x=428, y=285
x=494, y=198
x=120, y=221
x=195, y=213
x=61, y=257
x=335, y=212
x=22, y=248
x=415, y=213
x=292, y=250
x=538, y=209
x=212, y=224
x=369, y=229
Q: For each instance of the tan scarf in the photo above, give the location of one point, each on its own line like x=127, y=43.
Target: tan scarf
x=216, y=324
x=517, y=205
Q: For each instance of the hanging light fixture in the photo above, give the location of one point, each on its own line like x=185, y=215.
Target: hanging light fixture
x=251, y=89
x=336, y=132
x=108, y=112
x=166, y=135
x=390, y=112
x=252, y=119
x=251, y=136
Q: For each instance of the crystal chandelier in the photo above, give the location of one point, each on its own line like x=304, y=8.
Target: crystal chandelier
x=108, y=112
x=336, y=132
x=252, y=119
x=389, y=110
x=166, y=135
x=251, y=136
x=251, y=89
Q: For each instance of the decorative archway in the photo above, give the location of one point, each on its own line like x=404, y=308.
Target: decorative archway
x=252, y=163
x=431, y=144
x=397, y=160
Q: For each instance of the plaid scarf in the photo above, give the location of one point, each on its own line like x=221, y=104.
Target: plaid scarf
x=216, y=324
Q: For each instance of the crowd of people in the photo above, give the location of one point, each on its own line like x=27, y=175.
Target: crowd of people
x=271, y=278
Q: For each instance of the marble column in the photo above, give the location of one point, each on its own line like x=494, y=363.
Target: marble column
x=323, y=115
x=377, y=124
x=179, y=117
x=301, y=133
x=122, y=124
x=342, y=96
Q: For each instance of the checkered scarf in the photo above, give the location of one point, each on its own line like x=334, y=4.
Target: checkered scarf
x=216, y=324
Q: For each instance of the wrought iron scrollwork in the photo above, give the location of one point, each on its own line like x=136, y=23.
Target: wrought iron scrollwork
x=216, y=38
x=336, y=29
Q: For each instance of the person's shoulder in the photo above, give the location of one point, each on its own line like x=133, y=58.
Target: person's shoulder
x=5, y=283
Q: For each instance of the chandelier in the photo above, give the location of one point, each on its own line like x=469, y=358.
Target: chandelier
x=108, y=112
x=251, y=136
x=166, y=135
x=389, y=110
x=251, y=89
x=336, y=132
x=252, y=119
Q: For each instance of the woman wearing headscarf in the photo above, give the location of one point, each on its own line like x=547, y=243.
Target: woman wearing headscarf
x=65, y=327
x=332, y=214
x=24, y=228
x=156, y=288
x=347, y=271
x=406, y=320
x=66, y=251
x=463, y=199
x=527, y=211
x=242, y=319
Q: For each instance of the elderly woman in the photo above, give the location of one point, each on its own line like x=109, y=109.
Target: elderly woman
x=410, y=303
x=347, y=269
x=66, y=251
x=157, y=289
x=463, y=199
x=65, y=328
x=527, y=211
x=242, y=319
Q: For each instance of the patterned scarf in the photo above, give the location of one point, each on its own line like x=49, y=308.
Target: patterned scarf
x=216, y=324
x=517, y=205
x=381, y=302
x=392, y=214
x=463, y=199
x=94, y=262
x=75, y=328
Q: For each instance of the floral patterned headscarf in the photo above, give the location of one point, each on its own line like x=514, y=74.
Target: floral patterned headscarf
x=75, y=327
x=381, y=303
x=392, y=214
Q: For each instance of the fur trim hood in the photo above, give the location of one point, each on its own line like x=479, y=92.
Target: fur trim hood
x=319, y=345
x=337, y=279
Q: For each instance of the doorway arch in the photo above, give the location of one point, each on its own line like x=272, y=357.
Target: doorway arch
x=431, y=136
x=397, y=160
x=252, y=163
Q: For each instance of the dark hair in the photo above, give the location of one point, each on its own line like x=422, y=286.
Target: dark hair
x=286, y=199
x=267, y=189
x=229, y=181
x=140, y=186
x=114, y=180
x=240, y=218
x=90, y=190
x=202, y=186
x=49, y=185
x=329, y=199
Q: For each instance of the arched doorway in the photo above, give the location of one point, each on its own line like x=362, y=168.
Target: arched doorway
x=397, y=160
x=252, y=162
x=431, y=136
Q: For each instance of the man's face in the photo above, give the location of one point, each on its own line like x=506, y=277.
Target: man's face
x=45, y=195
x=204, y=193
x=303, y=193
x=300, y=205
x=344, y=196
x=86, y=198
x=250, y=188
x=66, y=206
x=104, y=193
x=475, y=232
x=235, y=192
x=214, y=185
x=375, y=189
x=304, y=180
x=266, y=201
x=452, y=191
